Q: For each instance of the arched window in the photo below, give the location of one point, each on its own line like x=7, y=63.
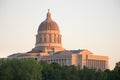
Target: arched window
x=54, y=38
x=42, y=37
x=60, y=39
x=49, y=37
x=45, y=38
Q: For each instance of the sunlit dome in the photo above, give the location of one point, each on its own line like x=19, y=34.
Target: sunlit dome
x=48, y=24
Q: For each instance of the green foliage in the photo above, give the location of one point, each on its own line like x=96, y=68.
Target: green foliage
x=29, y=69
x=20, y=69
x=117, y=71
x=51, y=72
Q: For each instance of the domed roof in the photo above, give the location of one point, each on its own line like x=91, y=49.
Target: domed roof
x=48, y=24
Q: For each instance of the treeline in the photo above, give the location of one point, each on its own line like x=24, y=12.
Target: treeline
x=29, y=69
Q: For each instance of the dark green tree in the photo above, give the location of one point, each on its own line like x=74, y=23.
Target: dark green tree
x=20, y=69
x=47, y=72
x=29, y=69
x=65, y=73
x=73, y=72
x=51, y=72
x=117, y=71
x=87, y=74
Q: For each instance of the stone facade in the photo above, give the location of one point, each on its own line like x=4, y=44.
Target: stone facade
x=78, y=58
x=48, y=37
x=48, y=47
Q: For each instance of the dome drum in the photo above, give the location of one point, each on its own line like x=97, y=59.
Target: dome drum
x=48, y=37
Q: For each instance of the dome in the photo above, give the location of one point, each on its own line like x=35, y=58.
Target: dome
x=48, y=24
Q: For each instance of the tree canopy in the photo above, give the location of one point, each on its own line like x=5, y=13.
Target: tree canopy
x=30, y=69
x=20, y=69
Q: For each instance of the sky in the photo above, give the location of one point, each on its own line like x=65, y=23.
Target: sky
x=84, y=24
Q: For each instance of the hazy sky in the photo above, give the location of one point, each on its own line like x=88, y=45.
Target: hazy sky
x=84, y=24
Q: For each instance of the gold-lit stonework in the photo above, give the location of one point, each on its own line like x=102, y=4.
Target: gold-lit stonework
x=48, y=47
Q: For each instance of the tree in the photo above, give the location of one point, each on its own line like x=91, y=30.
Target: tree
x=29, y=69
x=74, y=72
x=47, y=72
x=117, y=71
x=51, y=72
x=65, y=73
x=20, y=69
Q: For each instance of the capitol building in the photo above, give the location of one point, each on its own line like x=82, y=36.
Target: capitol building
x=48, y=47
